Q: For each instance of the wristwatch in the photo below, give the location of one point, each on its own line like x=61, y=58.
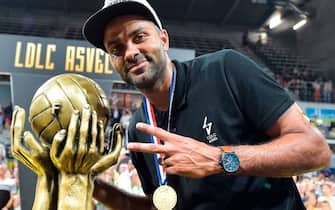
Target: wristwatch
x=229, y=161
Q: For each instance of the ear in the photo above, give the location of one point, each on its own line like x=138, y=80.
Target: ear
x=165, y=39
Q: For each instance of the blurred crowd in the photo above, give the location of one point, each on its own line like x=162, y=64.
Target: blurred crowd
x=305, y=85
x=317, y=189
x=9, y=179
x=122, y=175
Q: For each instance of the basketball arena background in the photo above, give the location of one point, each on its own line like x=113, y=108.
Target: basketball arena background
x=293, y=41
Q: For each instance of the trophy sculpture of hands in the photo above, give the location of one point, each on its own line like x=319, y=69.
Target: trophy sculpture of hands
x=35, y=156
x=68, y=113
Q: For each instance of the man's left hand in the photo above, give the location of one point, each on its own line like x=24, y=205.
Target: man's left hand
x=184, y=156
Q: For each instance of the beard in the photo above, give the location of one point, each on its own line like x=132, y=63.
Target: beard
x=154, y=72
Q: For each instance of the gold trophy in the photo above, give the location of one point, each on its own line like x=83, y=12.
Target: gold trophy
x=68, y=114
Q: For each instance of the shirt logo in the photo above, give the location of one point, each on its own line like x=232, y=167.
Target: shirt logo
x=211, y=137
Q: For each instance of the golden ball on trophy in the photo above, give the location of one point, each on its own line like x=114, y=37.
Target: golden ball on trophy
x=54, y=102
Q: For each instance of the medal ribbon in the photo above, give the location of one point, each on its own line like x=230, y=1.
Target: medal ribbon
x=151, y=120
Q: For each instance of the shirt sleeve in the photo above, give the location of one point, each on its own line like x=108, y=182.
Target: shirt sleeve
x=260, y=97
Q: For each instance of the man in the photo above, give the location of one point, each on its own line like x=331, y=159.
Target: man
x=232, y=137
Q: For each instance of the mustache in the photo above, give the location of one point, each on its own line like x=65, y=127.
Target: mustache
x=135, y=60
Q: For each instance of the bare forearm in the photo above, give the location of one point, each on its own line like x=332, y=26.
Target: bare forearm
x=119, y=200
x=297, y=147
x=289, y=155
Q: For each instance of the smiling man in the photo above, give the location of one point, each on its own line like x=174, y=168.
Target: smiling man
x=212, y=133
x=136, y=47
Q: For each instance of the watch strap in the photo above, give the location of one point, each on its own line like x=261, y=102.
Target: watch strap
x=227, y=149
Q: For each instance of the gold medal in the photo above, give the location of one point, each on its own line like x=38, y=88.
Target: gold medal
x=165, y=198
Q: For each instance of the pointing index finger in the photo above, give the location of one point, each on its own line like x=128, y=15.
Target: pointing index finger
x=155, y=131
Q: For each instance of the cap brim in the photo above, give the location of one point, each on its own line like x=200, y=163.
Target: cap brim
x=94, y=27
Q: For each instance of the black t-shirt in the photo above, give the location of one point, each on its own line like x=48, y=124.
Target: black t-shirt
x=221, y=98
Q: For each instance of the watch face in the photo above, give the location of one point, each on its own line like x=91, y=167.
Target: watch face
x=231, y=163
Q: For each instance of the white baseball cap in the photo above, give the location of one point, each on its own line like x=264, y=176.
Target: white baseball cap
x=94, y=27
